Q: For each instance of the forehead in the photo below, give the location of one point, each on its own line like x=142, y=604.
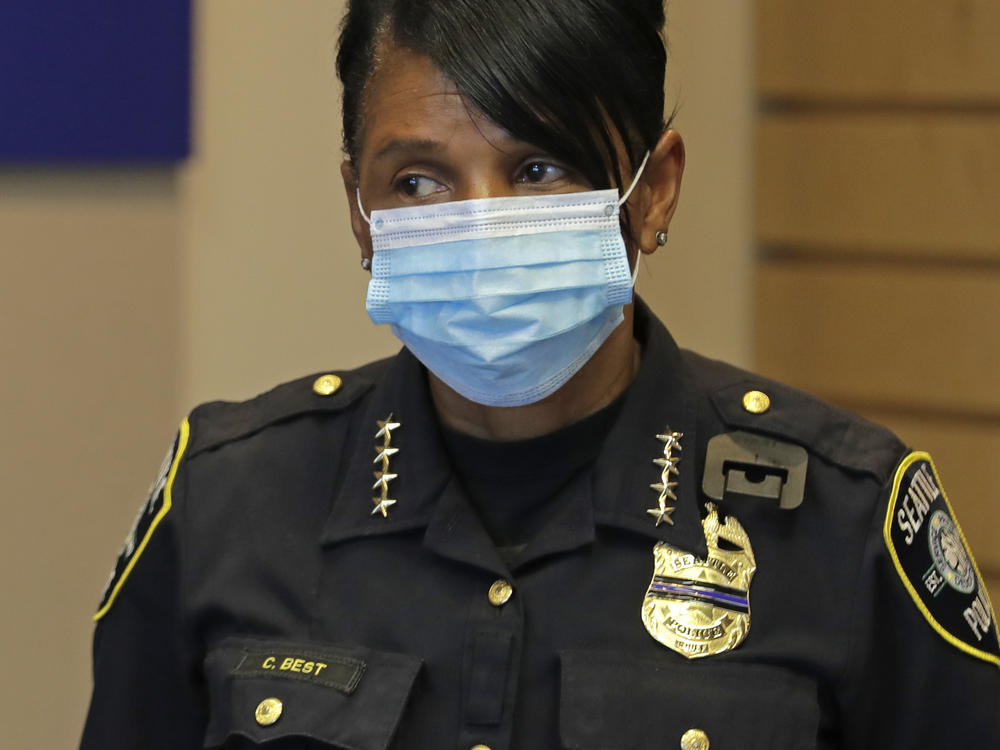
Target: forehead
x=408, y=97
x=400, y=72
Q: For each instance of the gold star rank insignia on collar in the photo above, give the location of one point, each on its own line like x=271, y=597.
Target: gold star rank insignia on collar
x=383, y=453
x=665, y=488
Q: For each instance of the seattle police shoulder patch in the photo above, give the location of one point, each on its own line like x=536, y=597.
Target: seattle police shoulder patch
x=157, y=505
x=935, y=563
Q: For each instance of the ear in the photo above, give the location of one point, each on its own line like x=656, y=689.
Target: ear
x=661, y=184
x=358, y=225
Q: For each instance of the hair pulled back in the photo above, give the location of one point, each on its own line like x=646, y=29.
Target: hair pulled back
x=568, y=76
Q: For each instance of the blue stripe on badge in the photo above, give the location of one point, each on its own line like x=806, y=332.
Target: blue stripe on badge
x=701, y=591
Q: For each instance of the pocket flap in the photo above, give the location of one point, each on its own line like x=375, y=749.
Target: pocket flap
x=614, y=700
x=343, y=696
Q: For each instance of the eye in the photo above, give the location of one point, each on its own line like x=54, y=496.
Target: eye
x=418, y=186
x=539, y=172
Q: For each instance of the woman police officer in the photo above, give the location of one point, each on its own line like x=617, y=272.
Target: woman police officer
x=578, y=535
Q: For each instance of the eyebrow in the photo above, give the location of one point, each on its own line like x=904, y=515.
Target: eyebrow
x=408, y=145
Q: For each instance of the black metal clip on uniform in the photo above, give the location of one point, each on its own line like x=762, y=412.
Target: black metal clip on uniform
x=749, y=465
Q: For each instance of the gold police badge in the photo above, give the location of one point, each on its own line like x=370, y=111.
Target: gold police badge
x=702, y=607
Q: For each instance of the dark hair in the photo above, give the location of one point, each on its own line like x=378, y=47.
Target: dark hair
x=565, y=75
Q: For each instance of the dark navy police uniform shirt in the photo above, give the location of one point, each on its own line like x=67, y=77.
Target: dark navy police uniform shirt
x=261, y=600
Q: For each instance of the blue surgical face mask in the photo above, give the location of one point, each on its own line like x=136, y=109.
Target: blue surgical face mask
x=503, y=299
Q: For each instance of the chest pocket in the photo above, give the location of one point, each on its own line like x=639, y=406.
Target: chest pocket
x=305, y=694
x=613, y=701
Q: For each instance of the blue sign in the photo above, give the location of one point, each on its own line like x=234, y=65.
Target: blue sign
x=91, y=82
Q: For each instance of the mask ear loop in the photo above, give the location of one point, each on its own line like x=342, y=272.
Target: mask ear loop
x=366, y=263
x=635, y=181
x=621, y=202
x=361, y=209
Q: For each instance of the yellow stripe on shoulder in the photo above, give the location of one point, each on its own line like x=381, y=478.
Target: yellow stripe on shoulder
x=934, y=561
x=157, y=505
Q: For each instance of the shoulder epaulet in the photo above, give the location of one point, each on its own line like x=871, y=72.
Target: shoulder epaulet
x=218, y=422
x=750, y=402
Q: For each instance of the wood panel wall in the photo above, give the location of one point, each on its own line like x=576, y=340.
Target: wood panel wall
x=878, y=223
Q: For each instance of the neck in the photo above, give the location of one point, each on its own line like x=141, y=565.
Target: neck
x=597, y=384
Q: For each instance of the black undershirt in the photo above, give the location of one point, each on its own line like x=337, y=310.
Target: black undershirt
x=512, y=483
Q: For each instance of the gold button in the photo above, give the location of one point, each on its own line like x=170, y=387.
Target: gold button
x=481, y=747
x=327, y=385
x=694, y=739
x=268, y=711
x=500, y=593
x=756, y=402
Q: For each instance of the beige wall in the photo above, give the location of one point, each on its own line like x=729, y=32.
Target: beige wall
x=89, y=355
x=127, y=296
x=272, y=285
x=879, y=277
x=702, y=284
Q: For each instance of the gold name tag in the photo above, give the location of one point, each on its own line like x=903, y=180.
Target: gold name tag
x=328, y=669
x=291, y=664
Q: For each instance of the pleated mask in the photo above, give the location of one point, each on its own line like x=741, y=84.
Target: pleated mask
x=503, y=299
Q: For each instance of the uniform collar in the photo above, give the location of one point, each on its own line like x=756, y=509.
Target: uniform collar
x=660, y=399
x=421, y=464
x=617, y=493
